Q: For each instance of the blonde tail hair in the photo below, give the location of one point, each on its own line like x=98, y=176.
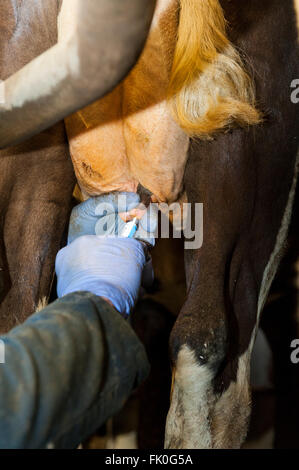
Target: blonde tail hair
x=209, y=90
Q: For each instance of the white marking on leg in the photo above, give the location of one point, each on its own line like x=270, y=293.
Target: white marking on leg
x=68, y=20
x=231, y=412
x=187, y=423
x=198, y=418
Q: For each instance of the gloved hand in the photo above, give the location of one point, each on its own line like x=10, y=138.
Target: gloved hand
x=108, y=267
x=100, y=216
x=105, y=264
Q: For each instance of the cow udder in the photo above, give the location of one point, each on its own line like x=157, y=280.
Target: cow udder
x=129, y=137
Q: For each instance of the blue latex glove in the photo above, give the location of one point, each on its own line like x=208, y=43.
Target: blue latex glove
x=105, y=264
x=99, y=216
x=111, y=268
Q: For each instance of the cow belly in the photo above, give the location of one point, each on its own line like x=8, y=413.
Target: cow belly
x=129, y=137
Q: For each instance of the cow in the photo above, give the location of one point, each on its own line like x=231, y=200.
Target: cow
x=184, y=116
x=180, y=87
x=246, y=180
x=37, y=177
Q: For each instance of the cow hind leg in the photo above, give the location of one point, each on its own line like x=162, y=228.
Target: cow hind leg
x=201, y=416
x=212, y=342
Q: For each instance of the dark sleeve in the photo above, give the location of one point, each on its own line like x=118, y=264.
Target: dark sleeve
x=67, y=369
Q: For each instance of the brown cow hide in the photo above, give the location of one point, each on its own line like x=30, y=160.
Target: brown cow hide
x=36, y=178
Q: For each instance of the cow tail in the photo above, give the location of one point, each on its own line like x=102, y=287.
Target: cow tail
x=209, y=88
